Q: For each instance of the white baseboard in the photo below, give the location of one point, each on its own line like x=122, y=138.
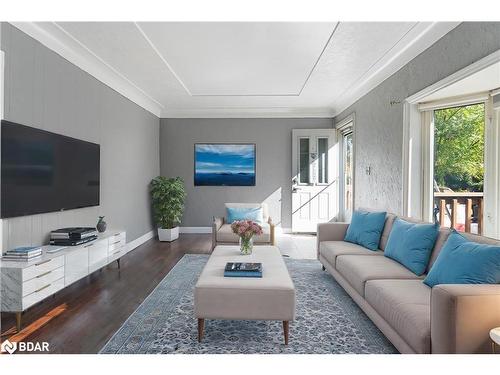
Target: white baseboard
x=139, y=241
x=195, y=230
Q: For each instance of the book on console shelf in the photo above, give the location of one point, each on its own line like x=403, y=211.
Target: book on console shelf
x=23, y=253
x=243, y=269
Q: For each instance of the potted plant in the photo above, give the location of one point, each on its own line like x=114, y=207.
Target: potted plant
x=168, y=195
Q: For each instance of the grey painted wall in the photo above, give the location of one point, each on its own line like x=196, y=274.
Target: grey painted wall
x=379, y=126
x=44, y=90
x=273, y=139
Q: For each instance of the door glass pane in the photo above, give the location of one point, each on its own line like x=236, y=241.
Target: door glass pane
x=348, y=175
x=304, y=160
x=322, y=160
x=459, y=167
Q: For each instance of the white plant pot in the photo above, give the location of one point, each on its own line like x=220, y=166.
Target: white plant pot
x=168, y=234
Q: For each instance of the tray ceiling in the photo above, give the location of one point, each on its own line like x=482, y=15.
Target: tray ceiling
x=218, y=69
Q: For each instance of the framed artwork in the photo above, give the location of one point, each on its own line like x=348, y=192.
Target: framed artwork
x=224, y=164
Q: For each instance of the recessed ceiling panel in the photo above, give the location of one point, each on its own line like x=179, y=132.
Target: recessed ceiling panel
x=262, y=59
x=240, y=69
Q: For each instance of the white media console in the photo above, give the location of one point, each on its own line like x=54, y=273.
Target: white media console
x=23, y=284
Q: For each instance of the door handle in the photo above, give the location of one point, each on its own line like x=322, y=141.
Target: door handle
x=294, y=190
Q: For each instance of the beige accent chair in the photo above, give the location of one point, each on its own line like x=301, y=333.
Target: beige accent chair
x=223, y=235
x=447, y=318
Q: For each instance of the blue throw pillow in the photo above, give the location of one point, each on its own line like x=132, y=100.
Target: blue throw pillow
x=244, y=213
x=411, y=244
x=365, y=229
x=464, y=262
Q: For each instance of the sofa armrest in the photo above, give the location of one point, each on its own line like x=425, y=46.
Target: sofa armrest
x=330, y=232
x=272, y=231
x=217, y=223
x=462, y=317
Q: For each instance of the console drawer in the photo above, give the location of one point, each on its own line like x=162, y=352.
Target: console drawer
x=40, y=281
x=117, y=237
x=117, y=253
x=42, y=267
x=43, y=292
x=116, y=245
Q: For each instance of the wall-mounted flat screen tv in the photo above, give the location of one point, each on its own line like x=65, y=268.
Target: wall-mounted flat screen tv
x=221, y=164
x=46, y=172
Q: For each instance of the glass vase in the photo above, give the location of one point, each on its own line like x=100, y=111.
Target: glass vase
x=246, y=245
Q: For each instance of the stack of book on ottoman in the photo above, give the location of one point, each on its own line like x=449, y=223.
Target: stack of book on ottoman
x=23, y=254
x=243, y=270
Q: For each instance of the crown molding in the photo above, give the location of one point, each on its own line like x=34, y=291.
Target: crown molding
x=58, y=40
x=417, y=40
x=54, y=37
x=273, y=112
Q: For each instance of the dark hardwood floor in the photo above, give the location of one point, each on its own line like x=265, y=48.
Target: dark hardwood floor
x=82, y=317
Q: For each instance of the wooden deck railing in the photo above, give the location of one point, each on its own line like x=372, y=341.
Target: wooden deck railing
x=473, y=209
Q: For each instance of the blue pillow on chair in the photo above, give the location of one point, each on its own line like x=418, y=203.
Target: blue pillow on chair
x=411, y=244
x=464, y=262
x=365, y=229
x=245, y=213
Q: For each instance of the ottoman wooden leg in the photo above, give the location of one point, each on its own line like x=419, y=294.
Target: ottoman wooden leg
x=201, y=329
x=286, y=330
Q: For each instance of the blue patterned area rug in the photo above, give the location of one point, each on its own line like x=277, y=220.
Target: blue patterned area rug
x=327, y=320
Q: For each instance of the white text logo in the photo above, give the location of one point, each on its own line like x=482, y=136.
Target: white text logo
x=21, y=346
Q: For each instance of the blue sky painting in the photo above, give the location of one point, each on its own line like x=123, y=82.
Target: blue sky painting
x=224, y=165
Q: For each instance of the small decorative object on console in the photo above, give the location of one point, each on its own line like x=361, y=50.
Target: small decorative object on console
x=101, y=225
x=246, y=229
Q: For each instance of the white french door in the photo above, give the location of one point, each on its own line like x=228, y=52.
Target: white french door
x=315, y=178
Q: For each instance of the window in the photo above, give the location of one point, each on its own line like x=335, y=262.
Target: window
x=459, y=167
x=348, y=172
x=346, y=194
x=304, y=162
x=322, y=160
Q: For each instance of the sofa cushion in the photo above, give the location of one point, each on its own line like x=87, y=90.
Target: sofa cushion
x=366, y=228
x=406, y=306
x=264, y=206
x=330, y=250
x=465, y=262
x=244, y=213
x=411, y=244
x=225, y=234
x=358, y=269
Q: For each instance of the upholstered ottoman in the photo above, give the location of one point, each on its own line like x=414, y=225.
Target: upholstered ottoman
x=271, y=297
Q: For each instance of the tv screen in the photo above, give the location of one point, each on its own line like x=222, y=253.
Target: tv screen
x=46, y=172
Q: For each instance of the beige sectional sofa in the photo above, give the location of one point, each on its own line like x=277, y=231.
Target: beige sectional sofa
x=414, y=317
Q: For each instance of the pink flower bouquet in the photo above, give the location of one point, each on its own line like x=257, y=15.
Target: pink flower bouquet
x=246, y=229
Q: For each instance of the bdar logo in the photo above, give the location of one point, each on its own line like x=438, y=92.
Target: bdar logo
x=8, y=347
